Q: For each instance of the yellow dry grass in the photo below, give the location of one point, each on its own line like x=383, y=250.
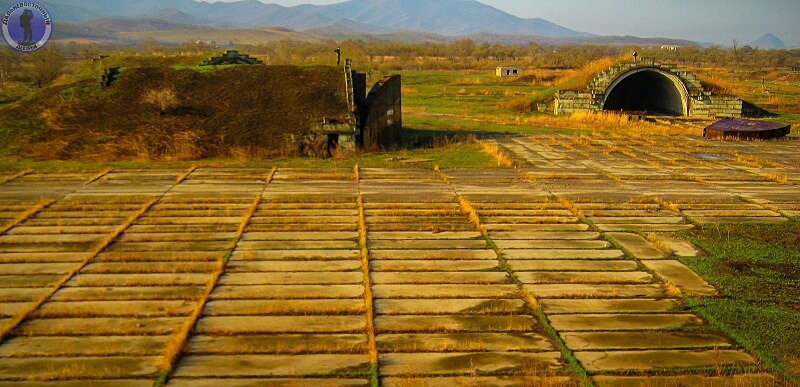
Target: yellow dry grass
x=580, y=79
x=368, y=298
x=184, y=176
x=493, y=150
x=658, y=243
x=466, y=82
x=571, y=207
x=610, y=123
x=670, y=289
x=778, y=178
x=718, y=84
x=98, y=176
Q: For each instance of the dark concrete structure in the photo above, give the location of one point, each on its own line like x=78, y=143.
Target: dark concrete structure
x=746, y=129
x=650, y=88
x=377, y=117
x=382, y=115
x=231, y=57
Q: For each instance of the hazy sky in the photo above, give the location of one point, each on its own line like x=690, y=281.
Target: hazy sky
x=717, y=21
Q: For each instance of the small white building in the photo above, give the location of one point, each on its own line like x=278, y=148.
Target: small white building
x=508, y=71
x=669, y=48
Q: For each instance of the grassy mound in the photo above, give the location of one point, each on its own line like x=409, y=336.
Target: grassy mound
x=180, y=113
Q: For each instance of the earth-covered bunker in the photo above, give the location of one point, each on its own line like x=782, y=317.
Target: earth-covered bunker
x=651, y=87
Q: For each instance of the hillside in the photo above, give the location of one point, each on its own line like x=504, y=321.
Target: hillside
x=211, y=113
x=768, y=41
x=238, y=36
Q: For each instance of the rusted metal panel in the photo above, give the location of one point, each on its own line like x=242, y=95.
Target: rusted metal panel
x=746, y=129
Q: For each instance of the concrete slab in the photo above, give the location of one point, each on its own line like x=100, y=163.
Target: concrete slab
x=433, y=254
x=144, y=382
x=130, y=279
x=689, y=282
x=287, y=278
x=284, y=307
x=160, y=256
x=287, y=292
x=445, y=291
x=680, y=247
x=149, y=267
x=273, y=382
x=35, y=268
x=9, y=309
x=129, y=293
x=428, y=244
x=278, y=344
x=638, y=246
x=21, y=294
x=487, y=381
x=661, y=359
x=595, y=291
x=468, y=362
x=299, y=235
x=297, y=245
x=176, y=237
x=581, y=341
x=644, y=227
x=432, y=265
x=638, y=220
x=102, y=326
x=197, y=366
x=150, y=308
x=172, y=246
x=277, y=255
x=754, y=380
x=28, y=281
x=544, y=235
x=237, y=325
x=454, y=323
x=292, y=266
x=536, y=227
x=84, y=346
x=45, y=368
x=405, y=235
x=551, y=244
x=562, y=254
x=633, y=305
x=449, y=306
x=440, y=278
x=601, y=322
x=464, y=342
x=627, y=277
x=521, y=265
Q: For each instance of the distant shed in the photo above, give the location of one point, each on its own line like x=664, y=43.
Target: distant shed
x=508, y=72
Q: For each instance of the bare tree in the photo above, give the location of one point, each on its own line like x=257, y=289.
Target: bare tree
x=46, y=65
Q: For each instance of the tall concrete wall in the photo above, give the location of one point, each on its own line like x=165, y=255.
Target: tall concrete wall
x=382, y=118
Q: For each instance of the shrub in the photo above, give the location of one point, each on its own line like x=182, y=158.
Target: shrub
x=165, y=99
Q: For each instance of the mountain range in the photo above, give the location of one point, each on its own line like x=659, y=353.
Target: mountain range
x=444, y=17
x=128, y=21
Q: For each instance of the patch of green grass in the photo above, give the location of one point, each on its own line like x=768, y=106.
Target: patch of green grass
x=454, y=155
x=479, y=128
x=757, y=269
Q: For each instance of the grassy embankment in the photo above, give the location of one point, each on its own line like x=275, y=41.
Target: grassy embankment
x=757, y=269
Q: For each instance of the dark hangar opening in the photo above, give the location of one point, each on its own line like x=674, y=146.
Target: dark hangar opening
x=648, y=91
